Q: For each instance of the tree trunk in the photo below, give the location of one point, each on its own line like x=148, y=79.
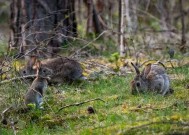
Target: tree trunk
x=128, y=18
x=93, y=24
x=163, y=7
x=39, y=27
x=121, y=29
x=104, y=10
x=79, y=5
x=131, y=15
x=183, y=38
x=134, y=25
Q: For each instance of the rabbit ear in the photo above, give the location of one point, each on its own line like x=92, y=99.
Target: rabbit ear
x=37, y=64
x=32, y=61
x=147, y=70
x=136, y=69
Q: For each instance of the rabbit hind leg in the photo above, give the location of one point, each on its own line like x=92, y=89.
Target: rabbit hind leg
x=40, y=102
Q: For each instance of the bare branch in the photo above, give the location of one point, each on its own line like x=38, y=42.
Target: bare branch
x=12, y=123
x=16, y=78
x=78, y=104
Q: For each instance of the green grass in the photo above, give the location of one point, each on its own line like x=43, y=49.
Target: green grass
x=122, y=113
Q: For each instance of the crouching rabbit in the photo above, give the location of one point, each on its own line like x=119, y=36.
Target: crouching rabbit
x=64, y=69
x=153, y=78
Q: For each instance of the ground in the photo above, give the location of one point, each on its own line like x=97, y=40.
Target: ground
x=118, y=113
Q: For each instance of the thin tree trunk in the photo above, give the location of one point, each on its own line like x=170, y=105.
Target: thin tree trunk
x=134, y=4
x=183, y=38
x=163, y=7
x=23, y=29
x=90, y=28
x=110, y=13
x=93, y=23
x=121, y=29
x=80, y=3
x=13, y=41
x=131, y=15
x=128, y=18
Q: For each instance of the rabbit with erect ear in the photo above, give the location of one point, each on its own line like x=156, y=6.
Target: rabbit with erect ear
x=35, y=93
x=28, y=69
x=152, y=78
x=64, y=69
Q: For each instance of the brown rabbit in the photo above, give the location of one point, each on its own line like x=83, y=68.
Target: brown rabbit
x=35, y=93
x=64, y=69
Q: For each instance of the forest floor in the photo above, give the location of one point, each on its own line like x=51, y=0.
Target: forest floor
x=117, y=111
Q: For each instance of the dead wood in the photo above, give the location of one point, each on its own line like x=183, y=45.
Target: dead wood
x=16, y=78
x=81, y=103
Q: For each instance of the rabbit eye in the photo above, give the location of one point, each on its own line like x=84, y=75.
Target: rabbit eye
x=138, y=84
x=24, y=72
x=44, y=71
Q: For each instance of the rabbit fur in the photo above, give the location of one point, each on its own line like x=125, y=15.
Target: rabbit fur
x=35, y=93
x=153, y=78
x=64, y=69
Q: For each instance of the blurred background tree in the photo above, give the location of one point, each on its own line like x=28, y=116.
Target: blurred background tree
x=43, y=27
x=41, y=22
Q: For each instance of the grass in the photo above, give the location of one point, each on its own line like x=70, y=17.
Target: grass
x=122, y=113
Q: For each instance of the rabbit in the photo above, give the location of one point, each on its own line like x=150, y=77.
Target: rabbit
x=152, y=78
x=35, y=93
x=64, y=69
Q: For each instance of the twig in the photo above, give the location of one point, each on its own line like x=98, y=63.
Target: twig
x=78, y=104
x=13, y=126
x=16, y=78
x=171, y=63
x=146, y=62
x=4, y=112
x=157, y=62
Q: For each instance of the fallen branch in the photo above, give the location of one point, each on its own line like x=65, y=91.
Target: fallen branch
x=12, y=123
x=3, y=115
x=147, y=62
x=78, y=104
x=17, y=78
x=171, y=63
x=156, y=62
